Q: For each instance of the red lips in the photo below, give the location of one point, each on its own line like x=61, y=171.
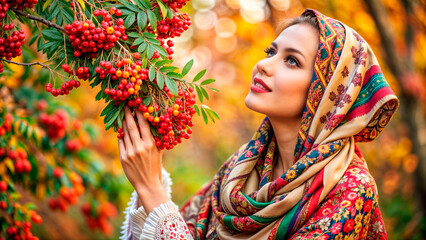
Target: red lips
x=263, y=89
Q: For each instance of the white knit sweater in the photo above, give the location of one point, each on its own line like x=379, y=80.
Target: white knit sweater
x=164, y=222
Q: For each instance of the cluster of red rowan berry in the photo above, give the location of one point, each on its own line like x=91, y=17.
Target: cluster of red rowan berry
x=19, y=229
x=21, y=4
x=10, y=42
x=55, y=124
x=170, y=28
x=129, y=76
x=67, y=195
x=22, y=229
x=20, y=158
x=97, y=218
x=7, y=124
x=175, y=4
x=88, y=39
x=175, y=123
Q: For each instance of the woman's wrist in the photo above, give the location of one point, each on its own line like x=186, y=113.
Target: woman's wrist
x=151, y=197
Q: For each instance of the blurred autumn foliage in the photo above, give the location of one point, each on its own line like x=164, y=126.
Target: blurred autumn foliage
x=228, y=38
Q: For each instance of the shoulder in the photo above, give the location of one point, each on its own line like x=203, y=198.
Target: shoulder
x=356, y=182
x=351, y=209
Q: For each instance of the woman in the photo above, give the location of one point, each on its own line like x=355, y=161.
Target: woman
x=301, y=175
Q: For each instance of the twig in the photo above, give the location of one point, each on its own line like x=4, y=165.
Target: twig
x=39, y=19
x=26, y=64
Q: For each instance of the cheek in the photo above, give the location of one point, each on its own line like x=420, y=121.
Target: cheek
x=293, y=83
x=254, y=71
x=293, y=90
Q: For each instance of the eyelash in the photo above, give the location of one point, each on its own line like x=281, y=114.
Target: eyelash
x=269, y=50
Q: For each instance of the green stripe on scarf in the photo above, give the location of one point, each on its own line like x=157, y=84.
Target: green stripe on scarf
x=256, y=204
x=283, y=227
x=227, y=220
x=262, y=220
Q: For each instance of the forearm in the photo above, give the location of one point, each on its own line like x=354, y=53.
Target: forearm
x=151, y=197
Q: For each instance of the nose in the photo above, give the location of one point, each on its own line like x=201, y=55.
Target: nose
x=265, y=66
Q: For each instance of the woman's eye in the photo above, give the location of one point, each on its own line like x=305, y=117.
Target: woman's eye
x=269, y=51
x=292, y=61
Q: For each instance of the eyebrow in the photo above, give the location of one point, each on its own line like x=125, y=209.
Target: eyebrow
x=288, y=49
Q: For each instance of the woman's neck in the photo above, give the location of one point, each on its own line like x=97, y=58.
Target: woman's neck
x=285, y=131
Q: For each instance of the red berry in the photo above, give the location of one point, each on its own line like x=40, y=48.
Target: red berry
x=3, y=186
x=58, y=172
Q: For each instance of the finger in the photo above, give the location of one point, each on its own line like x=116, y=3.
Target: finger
x=121, y=149
x=131, y=127
x=127, y=141
x=144, y=126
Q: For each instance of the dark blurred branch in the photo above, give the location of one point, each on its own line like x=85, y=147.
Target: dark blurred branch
x=39, y=19
x=410, y=108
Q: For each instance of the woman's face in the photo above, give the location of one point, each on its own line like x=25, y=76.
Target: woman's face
x=281, y=80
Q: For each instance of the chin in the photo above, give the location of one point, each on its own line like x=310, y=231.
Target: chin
x=252, y=104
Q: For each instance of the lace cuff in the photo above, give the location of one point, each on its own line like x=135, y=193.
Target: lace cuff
x=134, y=219
x=165, y=222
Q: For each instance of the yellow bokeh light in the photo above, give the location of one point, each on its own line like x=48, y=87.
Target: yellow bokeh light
x=225, y=45
x=225, y=27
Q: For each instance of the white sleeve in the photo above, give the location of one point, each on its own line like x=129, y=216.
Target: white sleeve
x=165, y=222
x=134, y=220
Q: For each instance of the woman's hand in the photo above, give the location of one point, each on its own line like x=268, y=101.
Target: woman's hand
x=141, y=160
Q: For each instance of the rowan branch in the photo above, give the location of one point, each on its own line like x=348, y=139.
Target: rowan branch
x=39, y=19
x=26, y=64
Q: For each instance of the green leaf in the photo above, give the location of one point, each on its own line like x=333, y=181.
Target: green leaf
x=34, y=38
x=129, y=20
x=187, y=67
x=154, y=42
x=174, y=75
x=214, y=89
x=55, y=12
x=209, y=111
x=160, y=50
x=134, y=34
x=141, y=4
x=120, y=118
x=204, y=93
x=108, y=108
x=147, y=3
x=151, y=73
x=51, y=34
x=160, y=80
x=197, y=110
x=163, y=8
x=171, y=85
x=142, y=47
x=149, y=35
x=152, y=19
x=199, y=94
x=162, y=62
x=169, y=13
x=142, y=20
x=208, y=81
x=167, y=69
x=204, y=115
x=129, y=5
x=138, y=41
x=111, y=113
x=114, y=117
x=60, y=19
x=46, y=4
x=199, y=75
x=146, y=101
x=112, y=120
x=150, y=52
x=46, y=45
